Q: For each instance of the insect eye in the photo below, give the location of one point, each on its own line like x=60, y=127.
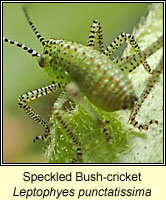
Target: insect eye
x=41, y=60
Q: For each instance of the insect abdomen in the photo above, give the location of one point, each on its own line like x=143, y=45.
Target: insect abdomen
x=97, y=77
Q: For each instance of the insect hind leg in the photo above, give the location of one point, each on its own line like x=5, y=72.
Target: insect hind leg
x=150, y=84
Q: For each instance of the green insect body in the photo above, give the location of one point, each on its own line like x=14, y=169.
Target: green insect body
x=98, y=78
x=82, y=71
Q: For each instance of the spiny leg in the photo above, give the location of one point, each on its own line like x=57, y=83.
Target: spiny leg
x=153, y=47
x=150, y=84
x=32, y=95
x=96, y=36
x=122, y=38
x=75, y=94
x=129, y=63
x=57, y=108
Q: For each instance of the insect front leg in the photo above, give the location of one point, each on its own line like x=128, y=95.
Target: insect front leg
x=75, y=93
x=57, y=108
x=32, y=95
x=122, y=38
x=150, y=84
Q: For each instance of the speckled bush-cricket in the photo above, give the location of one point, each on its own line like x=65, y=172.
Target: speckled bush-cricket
x=80, y=71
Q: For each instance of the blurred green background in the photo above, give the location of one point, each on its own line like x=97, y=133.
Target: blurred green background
x=21, y=72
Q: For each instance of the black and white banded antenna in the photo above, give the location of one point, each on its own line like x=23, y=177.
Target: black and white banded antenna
x=24, y=47
x=41, y=39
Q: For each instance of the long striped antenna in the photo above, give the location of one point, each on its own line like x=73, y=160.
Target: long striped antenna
x=24, y=47
x=42, y=40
